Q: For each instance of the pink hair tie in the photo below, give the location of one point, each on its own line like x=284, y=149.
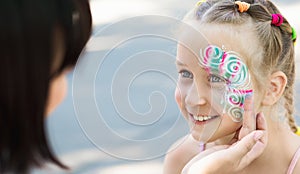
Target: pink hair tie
x=277, y=19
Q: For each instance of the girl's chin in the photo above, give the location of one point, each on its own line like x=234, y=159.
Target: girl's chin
x=214, y=136
x=203, y=137
x=206, y=132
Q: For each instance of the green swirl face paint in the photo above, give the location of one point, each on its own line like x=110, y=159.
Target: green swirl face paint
x=229, y=67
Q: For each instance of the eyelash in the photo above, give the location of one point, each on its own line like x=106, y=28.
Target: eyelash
x=186, y=74
x=215, y=79
x=211, y=78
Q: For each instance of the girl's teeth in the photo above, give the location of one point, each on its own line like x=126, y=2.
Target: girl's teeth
x=202, y=118
x=195, y=117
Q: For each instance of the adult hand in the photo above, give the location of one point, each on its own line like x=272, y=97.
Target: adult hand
x=248, y=144
x=249, y=119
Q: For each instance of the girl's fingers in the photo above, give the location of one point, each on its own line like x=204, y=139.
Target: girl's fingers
x=249, y=120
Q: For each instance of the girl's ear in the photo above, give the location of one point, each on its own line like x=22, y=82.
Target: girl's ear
x=276, y=86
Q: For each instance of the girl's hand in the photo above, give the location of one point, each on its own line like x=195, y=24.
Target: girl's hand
x=248, y=144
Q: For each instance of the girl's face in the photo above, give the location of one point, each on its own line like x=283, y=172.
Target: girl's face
x=209, y=95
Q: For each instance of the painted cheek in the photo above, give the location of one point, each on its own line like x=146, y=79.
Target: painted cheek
x=229, y=66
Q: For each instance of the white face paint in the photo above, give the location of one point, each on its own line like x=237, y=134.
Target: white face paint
x=231, y=81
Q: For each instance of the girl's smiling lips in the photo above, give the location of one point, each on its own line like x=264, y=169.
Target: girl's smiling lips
x=203, y=119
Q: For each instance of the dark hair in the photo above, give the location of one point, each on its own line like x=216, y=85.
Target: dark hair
x=27, y=57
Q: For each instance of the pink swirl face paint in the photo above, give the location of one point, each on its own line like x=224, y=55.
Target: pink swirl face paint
x=235, y=76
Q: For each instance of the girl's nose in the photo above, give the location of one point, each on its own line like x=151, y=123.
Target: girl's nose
x=195, y=96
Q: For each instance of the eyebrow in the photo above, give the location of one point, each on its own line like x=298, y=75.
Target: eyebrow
x=179, y=63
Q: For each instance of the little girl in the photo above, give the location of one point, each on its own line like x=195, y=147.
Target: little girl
x=248, y=51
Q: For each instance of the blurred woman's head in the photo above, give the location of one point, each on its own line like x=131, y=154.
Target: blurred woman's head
x=39, y=41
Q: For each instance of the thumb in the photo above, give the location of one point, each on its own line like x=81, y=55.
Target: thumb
x=249, y=148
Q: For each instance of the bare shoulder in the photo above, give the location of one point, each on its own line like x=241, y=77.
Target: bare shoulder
x=180, y=153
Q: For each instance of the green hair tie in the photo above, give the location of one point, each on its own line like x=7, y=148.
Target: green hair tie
x=294, y=34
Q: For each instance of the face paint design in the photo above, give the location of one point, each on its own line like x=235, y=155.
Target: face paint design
x=229, y=67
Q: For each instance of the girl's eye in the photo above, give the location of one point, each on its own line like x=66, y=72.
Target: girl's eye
x=186, y=74
x=215, y=79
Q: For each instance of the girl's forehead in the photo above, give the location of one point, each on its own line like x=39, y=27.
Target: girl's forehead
x=241, y=39
x=186, y=56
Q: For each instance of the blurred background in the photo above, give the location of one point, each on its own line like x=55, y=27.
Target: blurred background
x=74, y=134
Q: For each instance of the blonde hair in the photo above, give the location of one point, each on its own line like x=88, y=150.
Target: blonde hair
x=276, y=41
